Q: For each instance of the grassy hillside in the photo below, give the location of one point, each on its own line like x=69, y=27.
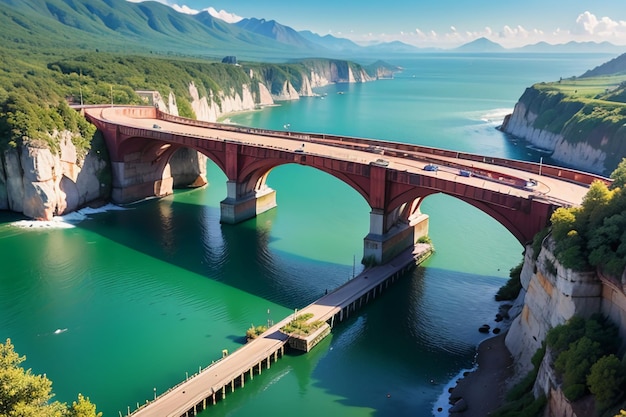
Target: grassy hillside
x=583, y=109
x=614, y=66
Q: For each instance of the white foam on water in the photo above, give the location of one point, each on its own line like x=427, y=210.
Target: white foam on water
x=442, y=405
x=493, y=116
x=66, y=221
x=496, y=115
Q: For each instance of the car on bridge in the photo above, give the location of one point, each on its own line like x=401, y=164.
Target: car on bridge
x=380, y=162
x=431, y=167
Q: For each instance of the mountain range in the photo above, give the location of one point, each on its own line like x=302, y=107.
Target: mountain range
x=122, y=26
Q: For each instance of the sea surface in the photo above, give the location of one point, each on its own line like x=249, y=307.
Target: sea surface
x=121, y=303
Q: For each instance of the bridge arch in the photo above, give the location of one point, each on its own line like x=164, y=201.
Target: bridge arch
x=394, y=186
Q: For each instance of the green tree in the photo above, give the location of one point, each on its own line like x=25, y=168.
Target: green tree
x=24, y=394
x=606, y=381
x=619, y=175
x=574, y=365
x=595, y=204
x=83, y=408
x=563, y=221
x=21, y=392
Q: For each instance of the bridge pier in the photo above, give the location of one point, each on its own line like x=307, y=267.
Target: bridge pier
x=380, y=245
x=236, y=208
x=135, y=181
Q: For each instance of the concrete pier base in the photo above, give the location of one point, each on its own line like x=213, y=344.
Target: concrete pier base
x=381, y=248
x=236, y=210
x=136, y=192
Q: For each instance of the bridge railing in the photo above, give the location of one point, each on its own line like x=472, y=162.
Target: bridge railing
x=405, y=150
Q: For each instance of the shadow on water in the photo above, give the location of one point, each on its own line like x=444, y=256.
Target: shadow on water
x=189, y=236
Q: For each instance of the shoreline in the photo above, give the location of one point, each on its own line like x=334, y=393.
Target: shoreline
x=482, y=389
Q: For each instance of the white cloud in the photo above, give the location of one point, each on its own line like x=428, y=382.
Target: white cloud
x=588, y=24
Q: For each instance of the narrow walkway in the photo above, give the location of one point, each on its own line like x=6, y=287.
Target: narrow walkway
x=204, y=388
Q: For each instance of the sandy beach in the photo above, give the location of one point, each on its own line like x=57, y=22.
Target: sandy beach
x=483, y=389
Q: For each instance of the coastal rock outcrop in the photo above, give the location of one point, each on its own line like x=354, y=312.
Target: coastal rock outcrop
x=41, y=183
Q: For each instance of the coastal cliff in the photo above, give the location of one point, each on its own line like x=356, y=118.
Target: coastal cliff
x=552, y=295
x=580, y=132
x=41, y=183
x=252, y=86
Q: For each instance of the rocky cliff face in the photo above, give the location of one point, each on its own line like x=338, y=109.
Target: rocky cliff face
x=576, y=133
x=552, y=295
x=42, y=184
x=211, y=108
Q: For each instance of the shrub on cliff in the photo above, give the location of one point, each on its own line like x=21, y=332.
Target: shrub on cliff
x=513, y=286
x=577, y=346
x=594, y=235
x=606, y=381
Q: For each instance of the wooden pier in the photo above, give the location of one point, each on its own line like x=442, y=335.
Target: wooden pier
x=232, y=371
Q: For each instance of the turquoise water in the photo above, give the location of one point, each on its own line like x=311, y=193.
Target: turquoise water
x=126, y=301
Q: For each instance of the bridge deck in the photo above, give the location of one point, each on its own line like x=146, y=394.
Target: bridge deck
x=185, y=396
x=560, y=185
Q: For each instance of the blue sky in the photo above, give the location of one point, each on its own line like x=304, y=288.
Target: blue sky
x=440, y=23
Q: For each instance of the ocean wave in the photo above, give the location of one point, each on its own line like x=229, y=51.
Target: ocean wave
x=496, y=114
x=493, y=116
x=66, y=221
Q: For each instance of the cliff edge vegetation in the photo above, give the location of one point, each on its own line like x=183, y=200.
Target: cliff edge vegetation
x=593, y=236
x=579, y=120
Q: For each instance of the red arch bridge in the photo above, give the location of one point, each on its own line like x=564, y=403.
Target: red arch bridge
x=392, y=177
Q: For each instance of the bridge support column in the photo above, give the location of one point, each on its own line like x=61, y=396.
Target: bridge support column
x=136, y=181
x=380, y=245
x=236, y=208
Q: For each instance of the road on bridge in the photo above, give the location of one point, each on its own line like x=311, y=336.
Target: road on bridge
x=561, y=191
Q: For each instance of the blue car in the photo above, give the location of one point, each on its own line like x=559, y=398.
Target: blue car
x=431, y=167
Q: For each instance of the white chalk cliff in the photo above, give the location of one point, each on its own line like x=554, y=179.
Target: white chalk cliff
x=580, y=154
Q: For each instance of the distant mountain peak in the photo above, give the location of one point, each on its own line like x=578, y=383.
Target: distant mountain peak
x=480, y=45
